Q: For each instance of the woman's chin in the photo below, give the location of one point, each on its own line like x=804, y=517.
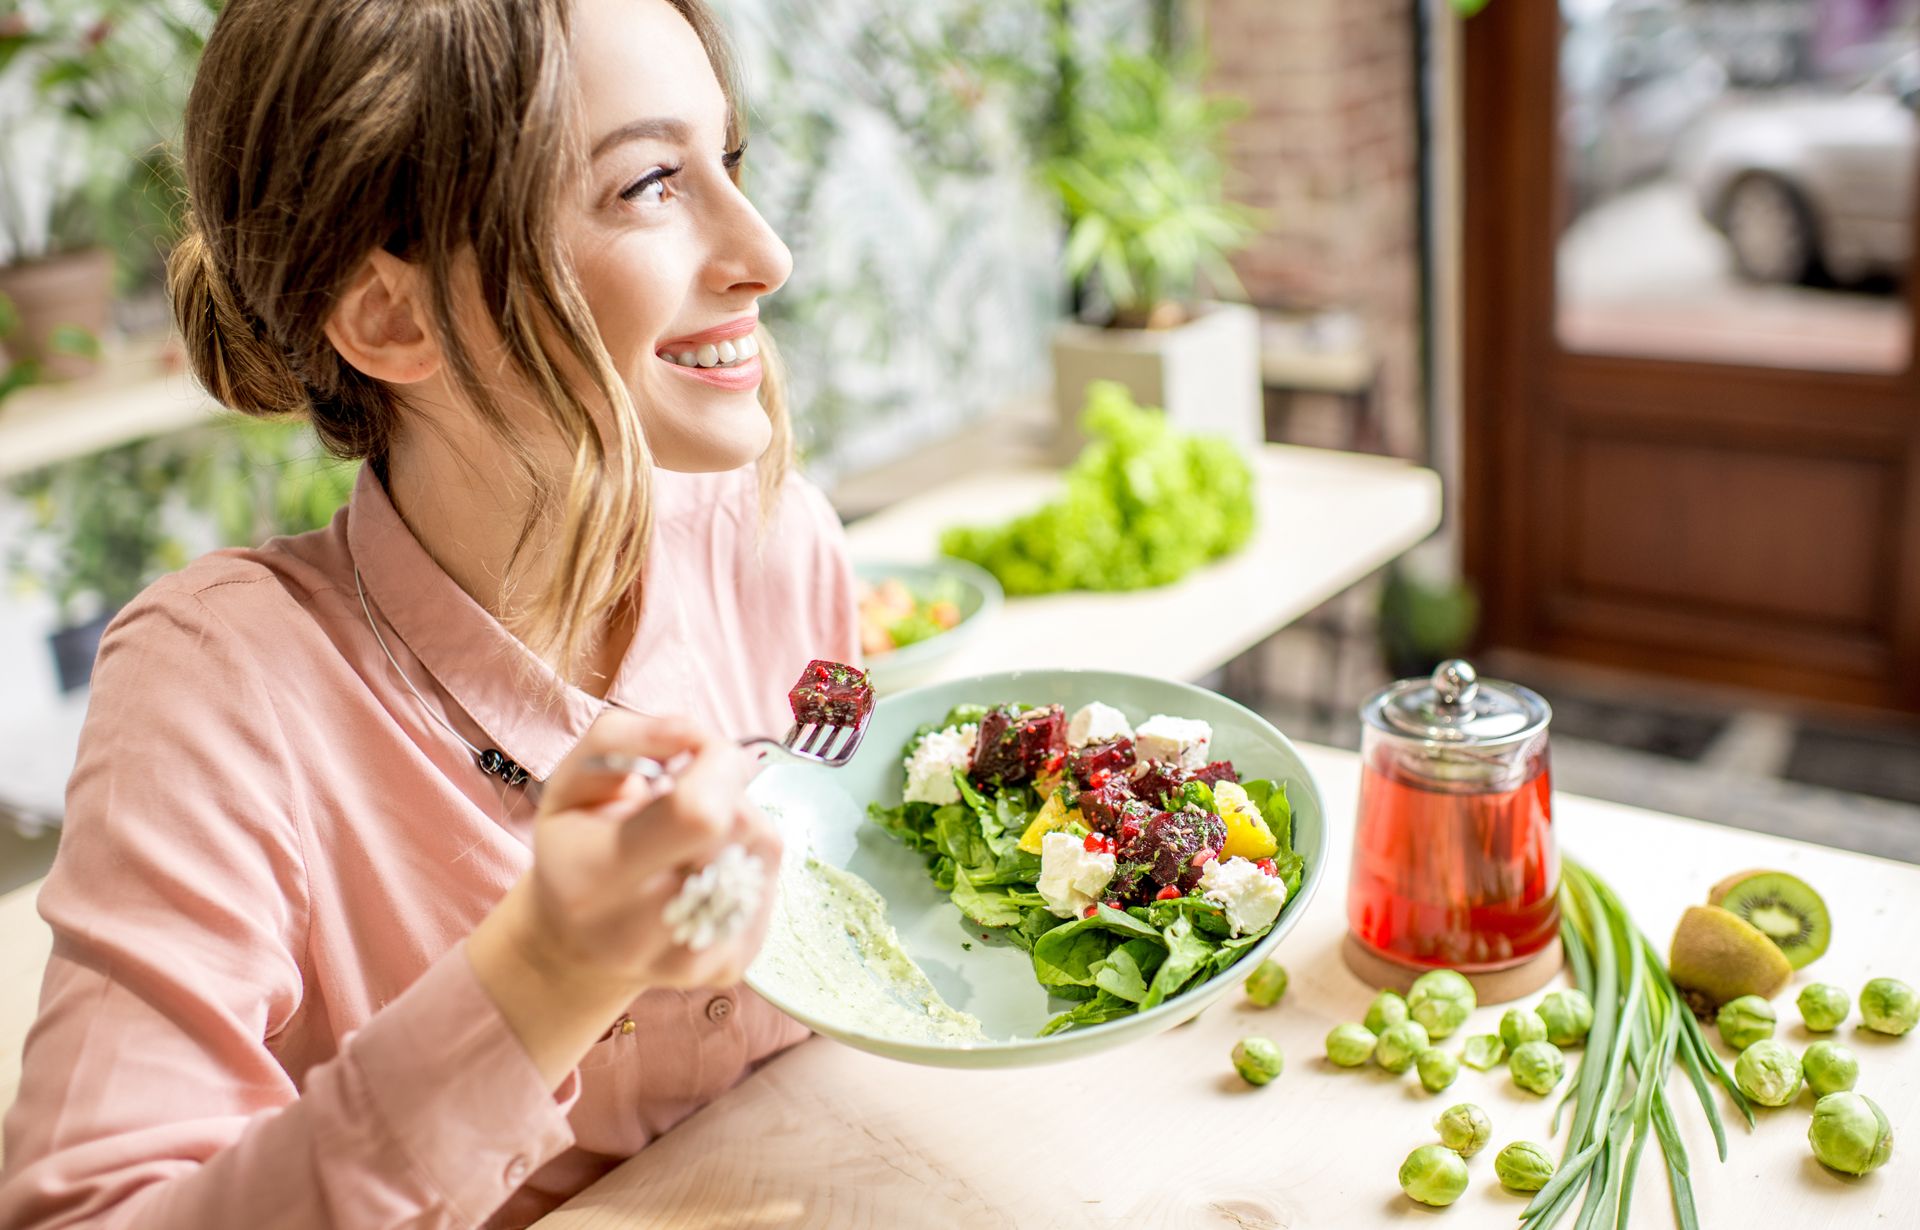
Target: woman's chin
x=717, y=442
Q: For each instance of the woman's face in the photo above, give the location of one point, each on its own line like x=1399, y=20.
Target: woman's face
x=672, y=257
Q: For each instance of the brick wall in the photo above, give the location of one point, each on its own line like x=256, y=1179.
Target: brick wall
x=1328, y=149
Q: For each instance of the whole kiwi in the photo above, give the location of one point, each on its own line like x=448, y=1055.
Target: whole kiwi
x=1783, y=907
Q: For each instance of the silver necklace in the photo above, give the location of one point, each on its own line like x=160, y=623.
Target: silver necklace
x=491, y=761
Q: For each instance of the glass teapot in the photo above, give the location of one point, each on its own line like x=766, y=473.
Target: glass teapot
x=1455, y=863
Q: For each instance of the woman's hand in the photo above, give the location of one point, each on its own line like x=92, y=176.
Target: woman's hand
x=583, y=933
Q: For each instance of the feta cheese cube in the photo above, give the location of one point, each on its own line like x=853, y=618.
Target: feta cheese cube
x=1071, y=877
x=930, y=768
x=1250, y=897
x=1181, y=741
x=1097, y=723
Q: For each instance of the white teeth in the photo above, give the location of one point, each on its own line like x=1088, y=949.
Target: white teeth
x=723, y=354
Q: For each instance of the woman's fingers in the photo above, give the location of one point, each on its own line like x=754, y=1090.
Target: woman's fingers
x=617, y=733
x=690, y=823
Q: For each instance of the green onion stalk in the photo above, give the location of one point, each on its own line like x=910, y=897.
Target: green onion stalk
x=1619, y=1098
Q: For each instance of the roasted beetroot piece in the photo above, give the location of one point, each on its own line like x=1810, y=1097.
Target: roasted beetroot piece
x=1155, y=780
x=1213, y=835
x=1095, y=763
x=1218, y=771
x=831, y=693
x=1105, y=808
x=1169, y=841
x=1015, y=747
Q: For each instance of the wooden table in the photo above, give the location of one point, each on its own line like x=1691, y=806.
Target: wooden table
x=1162, y=1133
x=1326, y=519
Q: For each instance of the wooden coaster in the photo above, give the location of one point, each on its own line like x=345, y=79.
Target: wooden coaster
x=1491, y=987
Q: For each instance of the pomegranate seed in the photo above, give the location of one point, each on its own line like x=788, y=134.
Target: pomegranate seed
x=1112, y=903
x=1169, y=893
x=1098, y=778
x=1129, y=829
x=1202, y=858
x=1054, y=762
x=1098, y=843
x=1091, y=911
x=1266, y=865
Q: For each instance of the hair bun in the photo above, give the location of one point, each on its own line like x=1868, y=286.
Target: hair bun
x=226, y=344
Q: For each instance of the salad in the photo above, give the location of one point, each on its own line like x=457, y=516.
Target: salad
x=1125, y=860
x=892, y=616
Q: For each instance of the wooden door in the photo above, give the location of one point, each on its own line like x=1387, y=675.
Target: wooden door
x=1675, y=461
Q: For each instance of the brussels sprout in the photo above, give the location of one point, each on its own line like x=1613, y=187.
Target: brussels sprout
x=1437, y=1068
x=1768, y=1073
x=1568, y=1015
x=1464, y=1128
x=1433, y=1174
x=1889, y=1006
x=1483, y=1052
x=1850, y=1133
x=1350, y=1045
x=1823, y=1006
x=1523, y=1166
x=1397, y=1048
x=1537, y=1066
x=1441, y=1000
x=1829, y=1068
x=1386, y=1011
x=1520, y=1026
x=1256, y=1060
x=1267, y=984
x=1745, y=1021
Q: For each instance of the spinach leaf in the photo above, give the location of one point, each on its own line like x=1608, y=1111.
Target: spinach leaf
x=1126, y=969
x=957, y=832
x=991, y=907
x=1206, y=916
x=1188, y=955
x=1037, y=923
x=1102, y=1007
x=1232, y=950
x=910, y=822
x=1066, y=955
x=1199, y=794
x=942, y=870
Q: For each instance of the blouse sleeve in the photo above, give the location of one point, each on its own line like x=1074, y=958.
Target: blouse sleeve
x=151, y=1094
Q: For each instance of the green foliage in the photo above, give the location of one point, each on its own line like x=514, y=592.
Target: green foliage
x=100, y=524
x=1140, y=181
x=1144, y=505
x=97, y=534
x=1423, y=624
x=102, y=83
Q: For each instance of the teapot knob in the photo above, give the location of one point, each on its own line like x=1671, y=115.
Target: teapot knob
x=1455, y=682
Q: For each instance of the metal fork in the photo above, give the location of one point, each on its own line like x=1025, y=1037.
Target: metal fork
x=822, y=743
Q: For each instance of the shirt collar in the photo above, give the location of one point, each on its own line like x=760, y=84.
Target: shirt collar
x=525, y=709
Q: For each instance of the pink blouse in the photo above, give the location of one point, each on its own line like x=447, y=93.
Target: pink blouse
x=259, y=1010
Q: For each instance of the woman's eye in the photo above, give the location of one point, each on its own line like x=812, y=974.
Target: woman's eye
x=651, y=188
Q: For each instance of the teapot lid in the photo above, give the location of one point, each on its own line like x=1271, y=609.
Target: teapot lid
x=1455, y=706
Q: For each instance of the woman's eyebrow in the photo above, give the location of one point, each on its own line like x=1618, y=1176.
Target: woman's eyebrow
x=656, y=129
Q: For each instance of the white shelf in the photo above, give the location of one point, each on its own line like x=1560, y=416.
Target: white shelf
x=139, y=394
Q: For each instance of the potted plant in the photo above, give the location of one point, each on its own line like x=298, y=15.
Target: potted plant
x=90, y=88
x=1138, y=174
x=97, y=535
x=1423, y=622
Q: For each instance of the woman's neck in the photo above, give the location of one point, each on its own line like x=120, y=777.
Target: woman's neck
x=468, y=512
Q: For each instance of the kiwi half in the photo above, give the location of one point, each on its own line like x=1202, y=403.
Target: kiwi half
x=1717, y=956
x=1784, y=909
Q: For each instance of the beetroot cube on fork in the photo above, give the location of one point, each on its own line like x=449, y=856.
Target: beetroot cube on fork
x=831, y=694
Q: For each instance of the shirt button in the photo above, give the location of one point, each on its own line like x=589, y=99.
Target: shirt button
x=517, y=1171
x=719, y=1010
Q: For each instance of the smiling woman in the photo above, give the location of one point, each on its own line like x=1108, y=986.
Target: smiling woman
x=350, y=930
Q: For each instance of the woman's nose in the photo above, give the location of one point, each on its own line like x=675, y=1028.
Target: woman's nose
x=748, y=256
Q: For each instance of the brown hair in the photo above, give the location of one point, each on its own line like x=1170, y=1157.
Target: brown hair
x=436, y=130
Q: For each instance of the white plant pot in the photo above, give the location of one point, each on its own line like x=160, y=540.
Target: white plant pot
x=1205, y=374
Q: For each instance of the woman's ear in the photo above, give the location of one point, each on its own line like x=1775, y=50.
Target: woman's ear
x=381, y=324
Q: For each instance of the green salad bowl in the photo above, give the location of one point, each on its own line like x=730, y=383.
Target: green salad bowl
x=970, y=587
x=825, y=810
